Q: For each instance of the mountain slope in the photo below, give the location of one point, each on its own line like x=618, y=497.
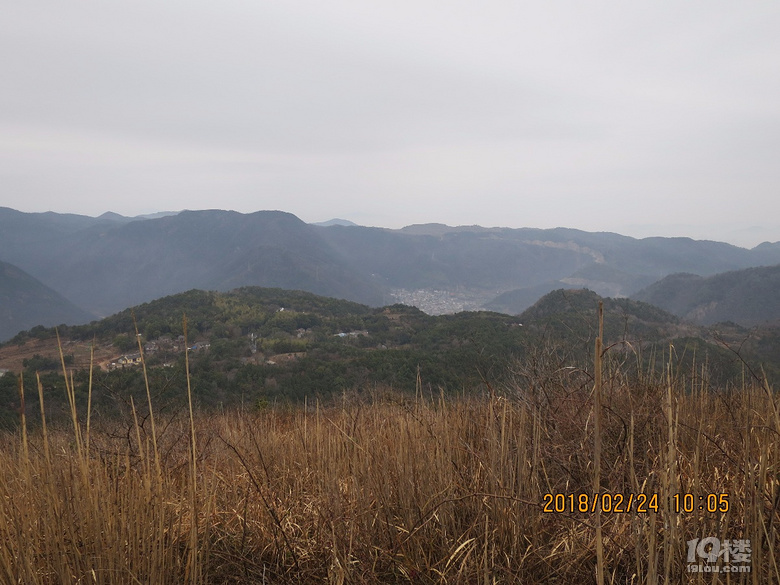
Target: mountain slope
x=435, y=255
x=258, y=344
x=112, y=266
x=573, y=313
x=25, y=302
x=638, y=334
x=601, y=278
x=110, y=262
x=748, y=297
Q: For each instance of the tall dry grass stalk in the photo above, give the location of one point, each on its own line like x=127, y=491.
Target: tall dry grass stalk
x=597, y=407
x=400, y=490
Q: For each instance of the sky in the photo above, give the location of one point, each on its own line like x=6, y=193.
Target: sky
x=643, y=118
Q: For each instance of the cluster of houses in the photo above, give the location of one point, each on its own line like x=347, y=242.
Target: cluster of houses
x=176, y=346
x=134, y=359
x=125, y=361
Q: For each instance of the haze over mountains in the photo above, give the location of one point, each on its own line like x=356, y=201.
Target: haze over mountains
x=105, y=264
x=748, y=297
x=26, y=302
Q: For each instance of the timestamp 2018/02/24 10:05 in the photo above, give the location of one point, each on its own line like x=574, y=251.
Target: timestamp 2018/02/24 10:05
x=626, y=503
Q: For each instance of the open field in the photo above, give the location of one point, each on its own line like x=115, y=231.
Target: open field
x=399, y=489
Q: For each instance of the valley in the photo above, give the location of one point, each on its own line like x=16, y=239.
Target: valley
x=367, y=419
x=103, y=265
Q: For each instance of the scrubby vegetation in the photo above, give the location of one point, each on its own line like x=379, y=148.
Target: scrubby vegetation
x=412, y=449
x=396, y=488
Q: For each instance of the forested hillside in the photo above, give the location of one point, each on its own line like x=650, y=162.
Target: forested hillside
x=748, y=297
x=111, y=262
x=256, y=346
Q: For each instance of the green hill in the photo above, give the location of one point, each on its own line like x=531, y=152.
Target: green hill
x=271, y=344
x=572, y=314
x=255, y=345
x=641, y=334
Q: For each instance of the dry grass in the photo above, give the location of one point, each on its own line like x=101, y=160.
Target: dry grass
x=395, y=489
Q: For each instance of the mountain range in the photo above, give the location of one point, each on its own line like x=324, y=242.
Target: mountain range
x=748, y=297
x=105, y=264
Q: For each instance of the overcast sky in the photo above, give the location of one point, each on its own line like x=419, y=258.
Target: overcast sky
x=653, y=117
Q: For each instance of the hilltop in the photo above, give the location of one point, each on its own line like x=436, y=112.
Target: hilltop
x=569, y=317
x=642, y=333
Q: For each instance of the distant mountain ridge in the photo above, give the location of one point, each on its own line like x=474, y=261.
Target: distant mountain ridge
x=118, y=217
x=26, y=302
x=334, y=221
x=215, y=250
x=747, y=297
x=108, y=263
x=530, y=261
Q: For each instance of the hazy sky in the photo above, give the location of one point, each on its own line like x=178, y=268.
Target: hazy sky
x=648, y=117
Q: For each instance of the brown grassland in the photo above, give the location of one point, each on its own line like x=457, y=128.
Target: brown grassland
x=403, y=489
